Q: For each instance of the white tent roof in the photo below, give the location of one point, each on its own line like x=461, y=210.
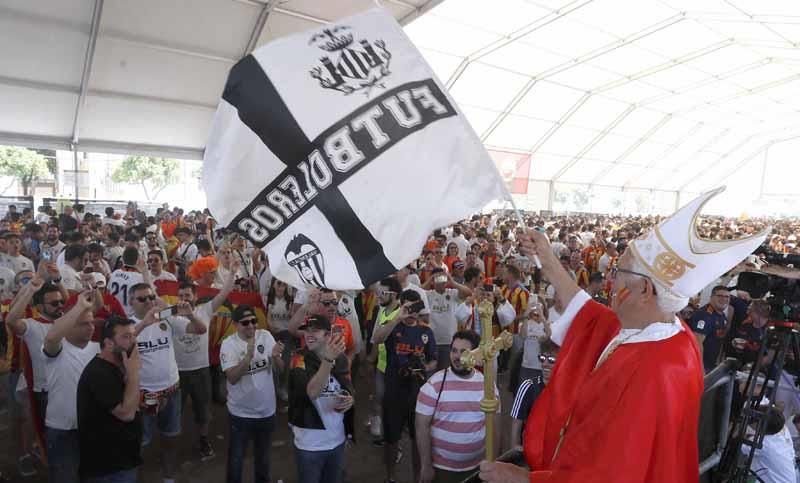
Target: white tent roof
x=150, y=71
x=668, y=94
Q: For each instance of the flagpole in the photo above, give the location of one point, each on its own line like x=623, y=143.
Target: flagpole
x=520, y=220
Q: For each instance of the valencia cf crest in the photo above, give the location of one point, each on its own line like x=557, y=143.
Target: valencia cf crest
x=162, y=326
x=350, y=66
x=304, y=255
x=447, y=297
x=424, y=338
x=260, y=348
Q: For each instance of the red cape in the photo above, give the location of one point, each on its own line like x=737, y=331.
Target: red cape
x=634, y=419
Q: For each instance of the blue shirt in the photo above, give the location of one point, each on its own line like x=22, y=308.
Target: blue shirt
x=711, y=324
x=406, y=340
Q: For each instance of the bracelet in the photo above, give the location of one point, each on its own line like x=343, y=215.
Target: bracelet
x=329, y=360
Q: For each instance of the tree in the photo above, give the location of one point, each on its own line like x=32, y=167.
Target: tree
x=157, y=173
x=24, y=165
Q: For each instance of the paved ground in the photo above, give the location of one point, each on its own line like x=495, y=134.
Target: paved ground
x=365, y=461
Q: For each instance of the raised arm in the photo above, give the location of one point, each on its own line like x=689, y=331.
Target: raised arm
x=62, y=325
x=227, y=288
x=17, y=310
x=537, y=244
x=380, y=334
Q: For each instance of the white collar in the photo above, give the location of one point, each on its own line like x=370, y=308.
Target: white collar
x=652, y=333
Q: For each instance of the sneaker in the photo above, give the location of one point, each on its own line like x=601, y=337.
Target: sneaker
x=26, y=466
x=375, y=426
x=206, y=451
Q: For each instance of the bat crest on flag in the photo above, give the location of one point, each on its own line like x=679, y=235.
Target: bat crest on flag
x=304, y=255
x=350, y=69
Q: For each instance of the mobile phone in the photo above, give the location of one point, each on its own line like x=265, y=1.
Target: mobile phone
x=416, y=307
x=47, y=256
x=168, y=312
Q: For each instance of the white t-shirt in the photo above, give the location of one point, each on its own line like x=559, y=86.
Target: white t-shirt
x=279, y=315
x=531, y=347
x=602, y=264
x=6, y=283
x=70, y=278
x=61, y=260
x=34, y=335
x=254, y=395
x=347, y=311
x=120, y=283
x=18, y=263
x=164, y=275
x=774, y=462
x=443, y=314
x=333, y=435
x=113, y=254
x=54, y=250
x=63, y=372
x=157, y=352
x=187, y=253
x=191, y=350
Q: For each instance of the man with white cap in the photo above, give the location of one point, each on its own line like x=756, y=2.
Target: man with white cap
x=623, y=401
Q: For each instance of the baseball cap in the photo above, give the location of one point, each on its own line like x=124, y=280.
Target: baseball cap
x=458, y=265
x=316, y=322
x=99, y=279
x=243, y=312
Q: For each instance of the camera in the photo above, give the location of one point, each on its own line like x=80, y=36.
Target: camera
x=415, y=369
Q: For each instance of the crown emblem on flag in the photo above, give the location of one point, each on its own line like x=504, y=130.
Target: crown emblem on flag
x=350, y=68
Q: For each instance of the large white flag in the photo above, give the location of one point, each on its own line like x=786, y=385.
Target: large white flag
x=338, y=151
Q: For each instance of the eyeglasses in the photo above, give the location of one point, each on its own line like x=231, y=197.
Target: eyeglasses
x=328, y=303
x=616, y=270
x=246, y=322
x=144, y=299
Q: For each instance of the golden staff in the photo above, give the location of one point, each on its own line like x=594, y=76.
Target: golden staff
x=486, y=352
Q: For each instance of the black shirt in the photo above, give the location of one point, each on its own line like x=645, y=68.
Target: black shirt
x=107, y=444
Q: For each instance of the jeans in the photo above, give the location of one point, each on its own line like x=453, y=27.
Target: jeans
x=320, y=466
x=125, y=476
x=242, y=430
x=167, y=420
x=63, y=455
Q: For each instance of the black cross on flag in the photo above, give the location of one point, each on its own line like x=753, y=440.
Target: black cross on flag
x=338, y=152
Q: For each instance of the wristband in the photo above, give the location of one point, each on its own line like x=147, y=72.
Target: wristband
x=329, y=360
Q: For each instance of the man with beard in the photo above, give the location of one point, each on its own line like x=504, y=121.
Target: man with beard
x=48, y=300
x=68, y=349
x=109, y=424
x=450, y=427
x=52, y=247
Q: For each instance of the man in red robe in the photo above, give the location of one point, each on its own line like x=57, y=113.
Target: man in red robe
x=623, y=401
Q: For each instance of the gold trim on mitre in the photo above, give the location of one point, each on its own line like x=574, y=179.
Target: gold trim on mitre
x=693, y=235
x=667, y=265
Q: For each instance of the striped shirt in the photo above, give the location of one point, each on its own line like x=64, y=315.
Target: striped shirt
x=458, y=429
x=518, y=298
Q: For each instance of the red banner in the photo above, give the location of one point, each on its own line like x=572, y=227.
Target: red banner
x=221, y=325
x=515, y=168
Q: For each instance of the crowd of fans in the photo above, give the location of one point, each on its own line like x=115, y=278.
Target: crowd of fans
x=112, y=365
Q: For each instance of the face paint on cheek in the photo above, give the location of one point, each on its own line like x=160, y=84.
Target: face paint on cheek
x=623, y=294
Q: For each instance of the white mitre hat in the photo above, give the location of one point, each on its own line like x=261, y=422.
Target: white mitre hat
x=681, y=263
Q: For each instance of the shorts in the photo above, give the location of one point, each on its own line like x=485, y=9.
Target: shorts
x=168, y=420
x=197, y=386
x=399, y=407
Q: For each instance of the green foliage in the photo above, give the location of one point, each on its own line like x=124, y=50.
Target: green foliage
x=153, y=174
x=24, y=165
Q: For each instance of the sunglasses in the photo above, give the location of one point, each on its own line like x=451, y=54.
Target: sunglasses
x=547, y=358
x=246, y=322
x=328, y=303
x=144, y=299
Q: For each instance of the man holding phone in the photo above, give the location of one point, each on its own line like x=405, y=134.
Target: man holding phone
x=320, y=396
x=411, y=355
